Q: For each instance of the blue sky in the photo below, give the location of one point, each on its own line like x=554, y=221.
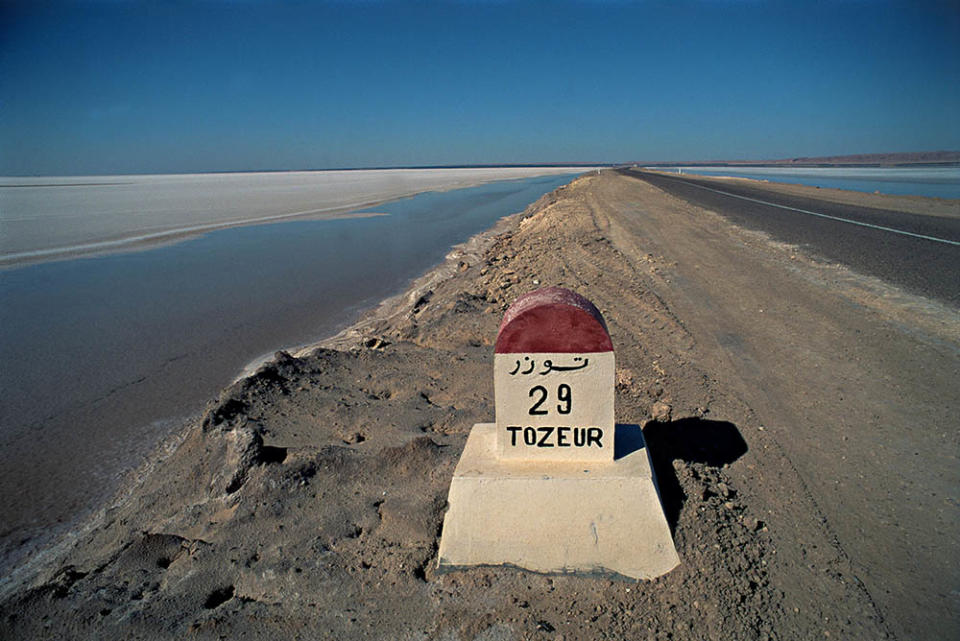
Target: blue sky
x=130, y=87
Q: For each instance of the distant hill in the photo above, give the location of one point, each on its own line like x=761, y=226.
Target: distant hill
x=900, y=158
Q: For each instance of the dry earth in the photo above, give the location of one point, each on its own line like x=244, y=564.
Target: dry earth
x=802, y=481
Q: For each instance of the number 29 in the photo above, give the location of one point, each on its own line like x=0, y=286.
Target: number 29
x=540, y=393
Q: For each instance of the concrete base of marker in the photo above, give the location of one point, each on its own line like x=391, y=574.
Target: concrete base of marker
x=558, y=517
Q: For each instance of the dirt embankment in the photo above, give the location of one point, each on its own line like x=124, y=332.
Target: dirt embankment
x=308, y=503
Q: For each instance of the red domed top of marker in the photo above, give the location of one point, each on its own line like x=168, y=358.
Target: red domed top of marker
x=553, y=319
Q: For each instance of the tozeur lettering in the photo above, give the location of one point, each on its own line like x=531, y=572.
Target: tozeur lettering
x=549, y=436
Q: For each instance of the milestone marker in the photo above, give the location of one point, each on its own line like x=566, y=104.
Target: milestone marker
x=553, y=375
x=554, y=485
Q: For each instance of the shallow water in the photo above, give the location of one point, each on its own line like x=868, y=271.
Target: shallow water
x=102, y=355
x=937, y=182
x=57, y=217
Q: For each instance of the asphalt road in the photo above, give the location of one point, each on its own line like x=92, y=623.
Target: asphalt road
x=922, y=255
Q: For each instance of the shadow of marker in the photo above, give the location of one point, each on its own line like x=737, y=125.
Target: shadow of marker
x=692, y=440
x=627, y=439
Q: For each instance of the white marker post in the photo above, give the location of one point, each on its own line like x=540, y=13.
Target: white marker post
x=542, y=488
x=553, y=376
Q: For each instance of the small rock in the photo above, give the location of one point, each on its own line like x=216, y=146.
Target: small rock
x=728, y=505
x=724, y=490
x=661, y=412
x=375, y=343
x=624, y=377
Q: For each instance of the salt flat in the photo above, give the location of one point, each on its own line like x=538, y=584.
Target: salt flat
x=51, y=217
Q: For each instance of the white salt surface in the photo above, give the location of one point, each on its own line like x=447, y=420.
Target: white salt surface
x=52, y=217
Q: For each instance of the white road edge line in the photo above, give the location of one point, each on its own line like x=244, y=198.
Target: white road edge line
x=842, y=220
